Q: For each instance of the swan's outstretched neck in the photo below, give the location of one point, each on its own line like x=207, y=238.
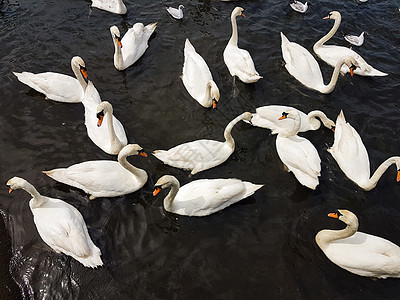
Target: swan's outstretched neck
x=20, y=183
x=174, y=183
x=227, y=133
x=372, y=182
x=330, y=34
x=234, y=38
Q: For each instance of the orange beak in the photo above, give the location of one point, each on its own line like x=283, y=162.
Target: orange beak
x=398, y=175
x=352, y=72
x=10, y=190
x=214, y=104
x=324, y=18
x=333, y=215
x=283, y=117
x=333, y=129
x=100, y=121
x=143, y=154
x=156, y=191
x=243, y=15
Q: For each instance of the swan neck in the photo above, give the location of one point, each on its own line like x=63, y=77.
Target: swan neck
x=114, y=141
x=171, y=195
x=227, y=133
x=131, y=168
x=234, y=38
x=117, y=55
x=37, y=199
x=79, y=76
x=207, y=100
x=328, y=36
x=325, y=237
x=335, y=75
x=373, y=181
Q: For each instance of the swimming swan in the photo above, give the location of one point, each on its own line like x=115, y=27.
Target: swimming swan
x=110, y=138
x=267, y=117
x=332, y=53
x=203, y=197
x=197, y=78
x=298, y=154
x=201, y=155
x=239, y=61
x=59, y=87
x=357, y=252
x=114, y=6
x=298, y=6
x=352, y=157
x=303, y=66
x=60, y=225
x=104, y=178
x=176, y=13
x=132, y=46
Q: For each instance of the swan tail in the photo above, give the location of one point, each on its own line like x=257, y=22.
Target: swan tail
x=92, y=261
x=160, y=154
x=375, y=72
x=340, y=119
x=27, y=78
x=251, y=188
x=57, y=175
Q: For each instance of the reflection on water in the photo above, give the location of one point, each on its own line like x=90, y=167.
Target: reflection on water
x=260, y=247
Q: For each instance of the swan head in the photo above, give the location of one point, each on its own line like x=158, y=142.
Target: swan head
x=214, y=92
x=77, y=63
x=334, y=15
x=16, y=183
x=351, y=63
x=246, y=116
x=165, y=182
x=345, y=216
x=103, y=108
x=132, y=149
x=116, y=35
x=290, y=114
x=238, y=11
x=180, y=7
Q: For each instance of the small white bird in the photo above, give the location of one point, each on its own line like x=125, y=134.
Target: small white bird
x=299, y=6
x=355, y=40
x=176, y=13
x=114, y=6
x=60, y=225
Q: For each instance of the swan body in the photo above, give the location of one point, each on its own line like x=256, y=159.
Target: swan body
x=132, y=46
x=197, y=78
x=357, y=252
x=111, y=138
x=268, y=117
x=352, y=157
x=332, y=53
x=104, y=178
x=176, y=13
x=299, y=6
x=203, y=197
x=298, y=154
x=355, y=40
x=302, y=65
x=56, y=86
x=114, y=6
x=201, y=155
x=239, y=61
x=60, y=225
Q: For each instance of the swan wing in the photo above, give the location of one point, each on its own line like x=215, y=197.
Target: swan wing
x=240, y=63
x=54, y=86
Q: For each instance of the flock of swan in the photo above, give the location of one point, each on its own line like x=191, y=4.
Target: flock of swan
x=63, y=228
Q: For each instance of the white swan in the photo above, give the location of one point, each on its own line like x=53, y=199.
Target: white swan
x=176, y=13
x=201, y=155
x=197, y=78
x=332, y=53
x=357, y=252
x=114, y=6
x=104, y=178
x=355, y=40
x=303, y=66
x=203, y=197
x=239, y=61
x=299, y=6
x=56, y=86
x=267, y=117
x=352, y=157
x=60, y=225
x=298, y=154
x=110, y=138
x=132, y=46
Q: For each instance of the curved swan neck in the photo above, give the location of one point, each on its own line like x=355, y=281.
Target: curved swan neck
x=330, y=34
x=207, y=100
x=234, y=38
x=118, y=59
x=327, y=236
x=37, y=199
x=325, y=120
x=227, y=133
x=172, y=194
x=131, y=168
x=115, y=142
x=372, y=182
x=79, y=76
x=335, y=75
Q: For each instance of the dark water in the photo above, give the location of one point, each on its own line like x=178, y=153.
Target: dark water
x=262, y=247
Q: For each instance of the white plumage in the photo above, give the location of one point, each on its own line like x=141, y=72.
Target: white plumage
x=114, y=6
x=176, y=13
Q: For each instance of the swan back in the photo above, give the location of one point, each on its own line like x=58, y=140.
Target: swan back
x=114, y=6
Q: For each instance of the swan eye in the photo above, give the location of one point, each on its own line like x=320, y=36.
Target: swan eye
x=157, y=189
x=284, y=116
